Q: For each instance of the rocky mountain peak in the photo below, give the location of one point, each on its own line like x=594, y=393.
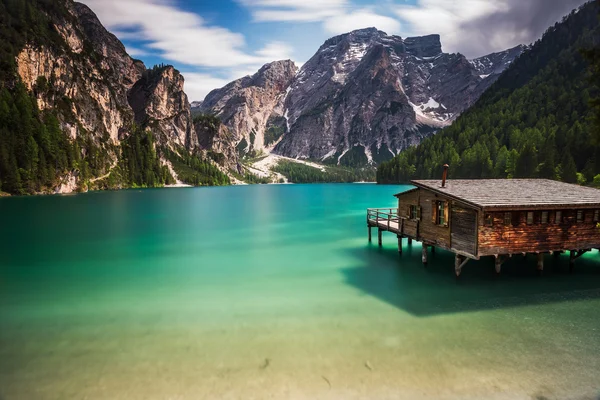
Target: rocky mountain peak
x=248, y=104
x=158, y=100
x=496, y=63
x=277, y=75
x=424, y=46
x=108, y=45
x=357, y=36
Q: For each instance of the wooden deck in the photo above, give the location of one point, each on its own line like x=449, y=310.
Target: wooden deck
x=386, y=219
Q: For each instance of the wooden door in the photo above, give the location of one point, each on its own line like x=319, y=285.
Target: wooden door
x=463, y=233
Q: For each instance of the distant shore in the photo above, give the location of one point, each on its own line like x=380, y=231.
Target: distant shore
x=183, y=185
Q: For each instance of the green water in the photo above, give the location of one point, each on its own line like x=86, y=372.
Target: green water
x=272, y=292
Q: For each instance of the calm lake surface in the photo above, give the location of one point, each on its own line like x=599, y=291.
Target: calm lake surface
x=273, y=292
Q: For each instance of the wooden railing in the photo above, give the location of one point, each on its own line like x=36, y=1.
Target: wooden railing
x=383, y=214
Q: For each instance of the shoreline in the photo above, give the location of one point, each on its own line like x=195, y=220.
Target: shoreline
x=183, y=185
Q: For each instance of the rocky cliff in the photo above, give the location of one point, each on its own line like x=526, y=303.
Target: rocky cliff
x=220, y=144
x=160, y=105
x=85, y=77
x=362, y=98
x=496, y=63
x=251, y=105
x=81, y=74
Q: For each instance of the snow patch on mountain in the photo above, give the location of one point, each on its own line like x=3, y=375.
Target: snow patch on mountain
x=328, y=155
x=369, y=155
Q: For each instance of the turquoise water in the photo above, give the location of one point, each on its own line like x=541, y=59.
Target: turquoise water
x=260, y=292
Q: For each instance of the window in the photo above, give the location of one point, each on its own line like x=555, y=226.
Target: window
x=413, y=212
x=439, y=213
x=529, y=217
x=488, y=220
x=558, y=217
x=596, y=215
x=544, y=217
x=507, y=218
x=579, y=215
x=516, y=218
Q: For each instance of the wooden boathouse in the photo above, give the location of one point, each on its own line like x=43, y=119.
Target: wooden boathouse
x=494, y=217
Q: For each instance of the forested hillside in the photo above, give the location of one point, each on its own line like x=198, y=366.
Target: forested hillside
x=78, y=113
x=33, y=150
x=535, y=121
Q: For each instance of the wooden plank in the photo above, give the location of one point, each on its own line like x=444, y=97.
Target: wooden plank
x=428, y=229
x=464, y=229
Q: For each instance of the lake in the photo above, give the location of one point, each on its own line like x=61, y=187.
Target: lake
x=273, y=292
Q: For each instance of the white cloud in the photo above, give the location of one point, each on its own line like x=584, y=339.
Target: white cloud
x=136, y=52
x=198, y=85
x=446, y=18
x=275, y=51
x=478, y=27
x=294, y=10
x=359, y=19
x=180, y=36
x=337, y=16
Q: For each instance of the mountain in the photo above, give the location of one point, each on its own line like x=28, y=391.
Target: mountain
x=160, y=104
x=253, y=107
x=534, y=121
x=496, y=63
x=196, y=107
x=77, y=112
x=362, y=98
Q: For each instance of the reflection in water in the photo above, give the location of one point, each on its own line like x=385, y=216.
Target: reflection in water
x=401, y=280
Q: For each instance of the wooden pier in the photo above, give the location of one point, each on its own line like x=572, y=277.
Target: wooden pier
x=388, y=220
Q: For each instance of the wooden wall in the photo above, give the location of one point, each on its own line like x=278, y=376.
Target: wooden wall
x=430, y=232
x=518, y=237
x=427, y=230
x=411, y=228
x=464, y=229
x=405, y=200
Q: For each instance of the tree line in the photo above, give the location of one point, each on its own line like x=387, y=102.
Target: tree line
x=301, y=173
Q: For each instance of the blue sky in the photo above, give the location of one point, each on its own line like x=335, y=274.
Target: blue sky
x=215, y=41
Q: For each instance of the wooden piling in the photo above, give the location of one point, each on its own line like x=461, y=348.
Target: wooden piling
x=379, y=231
x=369, y=233
x=409, y=242
x=572, y=256
x=458, y=264
x=498, y=264
x=399, y=244
x=424, y=254
x=540, y=262
x=432, y=250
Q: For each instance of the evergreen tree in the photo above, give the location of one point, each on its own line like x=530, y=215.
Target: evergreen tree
x=568, y=168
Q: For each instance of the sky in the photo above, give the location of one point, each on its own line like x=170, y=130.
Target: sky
x=213, y=42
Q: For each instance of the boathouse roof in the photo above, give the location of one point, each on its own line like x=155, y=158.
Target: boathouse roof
x=514, y=193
